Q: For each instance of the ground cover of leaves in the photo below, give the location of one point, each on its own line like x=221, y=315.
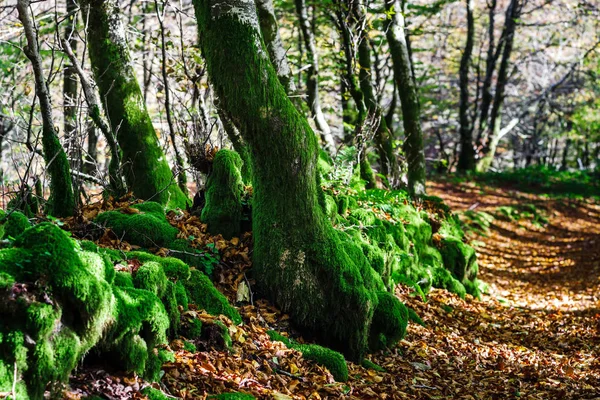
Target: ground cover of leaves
x=534, y=336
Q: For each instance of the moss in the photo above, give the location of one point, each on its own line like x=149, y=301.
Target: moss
x=224, y=331
x=15, y=224
x=150, y=276
x=204, y=295
x=123, y=279
x=169, y=300
x=332, y=360
x=232, y=396
x=414, y=317
x=189, y=346
x=153, y=394
x=181, y=295
x=442, y=278
x=150, y=207
x=173, y=268
x=375, y=257
x=389, y=322
x=192, y=329
x=459, y=258
x=144, y=229
x=223, y=210
x=371, y=365
x=331, y=207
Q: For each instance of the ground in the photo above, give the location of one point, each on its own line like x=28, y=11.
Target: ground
x=534, y=336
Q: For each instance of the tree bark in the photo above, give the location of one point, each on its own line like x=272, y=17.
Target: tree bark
x=466, y=160
x=490, y=67
x=513, y=13
x=409, y=99
x=62, y=199
x=277, y=53
x=70, y=83
x=146, y=169
x=312, y=77
x=300, y=261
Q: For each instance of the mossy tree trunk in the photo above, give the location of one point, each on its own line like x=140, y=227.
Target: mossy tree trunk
x=409, y=98
x=62, y=199
x=300, y=261
x=145, y=167
x=270, y=34
x=466, y=159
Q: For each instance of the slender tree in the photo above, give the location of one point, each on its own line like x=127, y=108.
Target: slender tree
x=409, y=99
x=270, y=34
x=309, y=269
x=312, y=76
x=70, y=81
x=466, y=160
x=62, y=199
x=145, y=167
x=513, y=13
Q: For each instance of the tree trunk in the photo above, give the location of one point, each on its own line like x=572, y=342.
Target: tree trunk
x=62, y=199
x=146, y=169
x=513, y=13
x=312, y=77
x=270, y=34
x=466, y=160
x=300, y=261
x=409, y=99
x=70, y=84
x=180, y=170
x=490, y=66
x=387, y=156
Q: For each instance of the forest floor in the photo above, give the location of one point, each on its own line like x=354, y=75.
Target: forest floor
x=535, y=335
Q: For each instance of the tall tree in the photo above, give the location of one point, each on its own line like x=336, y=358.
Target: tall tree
x=70, y=81
x=513, y=12
x=409, y=98
x=270, y=34
x=312, y=76
x=62, y=199
x=466, y=160
x=310, y=270
x=145, y=166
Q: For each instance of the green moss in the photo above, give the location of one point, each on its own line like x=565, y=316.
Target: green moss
x=173, y=268
x=150, y=276
x=123, y=279
x=223, y=210
x=189, y=346
x=414, y=317
x=41, y=319
x=332, y=360
x=153, y=394
x=204, y=295
x=459, y=258
x=389, y=322
x=144, y=229
x=192, y=329
x=15, y=224
x=232, y=396
x=442, y=278
x=169, y=300
x=181, y=295
x=371, y=365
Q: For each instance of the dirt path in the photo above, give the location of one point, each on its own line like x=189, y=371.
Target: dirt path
x=537, y=333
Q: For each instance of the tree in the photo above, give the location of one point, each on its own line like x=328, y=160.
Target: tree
x=62, y=199
x=312, y=76
x=145, y=167
x=466, y=160
x=409, y=99
x=313, y=272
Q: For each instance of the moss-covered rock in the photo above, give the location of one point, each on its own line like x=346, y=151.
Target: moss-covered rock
x=389, y=322
x=332, y=360
x=223, y=210
x=13, y=224
x=204, y=295
x=148, y=228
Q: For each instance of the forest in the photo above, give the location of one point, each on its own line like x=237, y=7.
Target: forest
x=299, y=199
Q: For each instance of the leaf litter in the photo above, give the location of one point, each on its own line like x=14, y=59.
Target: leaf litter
x=534, y=335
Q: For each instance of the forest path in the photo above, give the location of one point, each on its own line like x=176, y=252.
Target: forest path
x=536, y=335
